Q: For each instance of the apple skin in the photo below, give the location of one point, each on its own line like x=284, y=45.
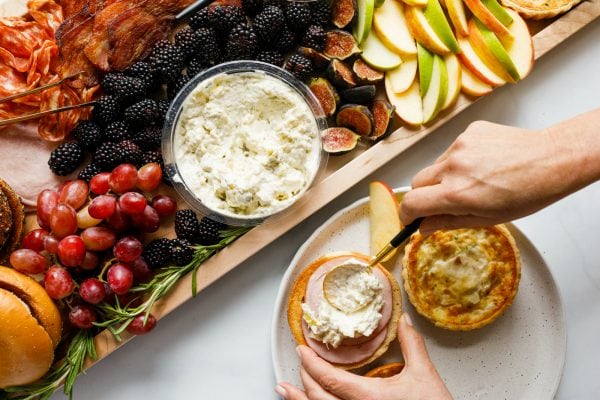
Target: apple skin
x=471, y=85
x=423, y=32
x=436, y=95
x=402, y=77
x=416, y=3
x=391, y=28
x=473, y=62
x=437, y=19
x=456, y=12
x=485, y=15
x=499, y=12
x=362, y=27
x=384, y=217
x=454, y=80
x=492, y=53
x=521, y=51
x=425, y=66
x=408, y=104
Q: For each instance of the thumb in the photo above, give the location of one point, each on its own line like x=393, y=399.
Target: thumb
x=412, y=344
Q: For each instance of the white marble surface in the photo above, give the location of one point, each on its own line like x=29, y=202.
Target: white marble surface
x=217, y=346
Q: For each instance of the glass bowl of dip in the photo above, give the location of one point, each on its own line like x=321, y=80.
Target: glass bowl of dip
x=242, y=142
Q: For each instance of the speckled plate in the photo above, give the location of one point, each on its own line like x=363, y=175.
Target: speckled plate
x=519, y=356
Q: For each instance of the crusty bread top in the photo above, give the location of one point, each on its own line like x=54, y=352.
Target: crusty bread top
x=298, y=290
x=540, y=9
x=386, y=370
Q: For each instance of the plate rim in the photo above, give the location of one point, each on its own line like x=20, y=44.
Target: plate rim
x=285, y=281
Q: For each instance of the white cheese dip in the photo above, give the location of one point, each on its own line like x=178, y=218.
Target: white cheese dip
x=330, y=325
x=246, y=144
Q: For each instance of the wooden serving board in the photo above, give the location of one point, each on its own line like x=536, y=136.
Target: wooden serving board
x=342, y=173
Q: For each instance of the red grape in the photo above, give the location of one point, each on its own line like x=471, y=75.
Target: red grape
x=141, y=270
x=123, y=178
x=34, y=240
x=98, y=238
x=28, y=261
x=99, y=183
x=85, y=220
x=148, y=221
x=120, y=278
x=63, y=221
x=102, y=207
x=71, y=251
x=74, y=193
x=127, y=249
x=58, y=282
x=137, y=326
x=46, y=202
x=51, y=244
x=149, y=177
x=92, y=290
x=119, y=221
x=90, y=261
x=164, y=205
x=82, y=316
x=132, y=203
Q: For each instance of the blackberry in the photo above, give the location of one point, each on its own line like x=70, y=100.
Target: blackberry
x=88, y=172
x=131, y=152
x=195, y=66
x=252, y=7
x=242, y=43
x=153, y=156
x=201, y=19
x=187, y=41
x=314, y=37
x=320, y=12
x=271, y=57
x=65, y=158
x=88, y=134
x=143, y=71
x=163, y=108
x=158, y=252
x=167, y=59
x=269, y=23
x=208, y=231
x=286, y=40
x=106, y=110
x=107, y=156
x=225, y=18
x=173, y=88
x=300, y=66
x=186, y=225
x=297, y=15
x=181, y=252
x=207, y=48
x=149, y=138
x=146, y=112
x=117, y=131
x=124, y=88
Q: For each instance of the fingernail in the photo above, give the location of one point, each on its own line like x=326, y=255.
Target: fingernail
x=280, y=390
x=407, y=319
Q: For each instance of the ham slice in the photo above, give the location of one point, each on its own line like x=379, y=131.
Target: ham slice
x=352, y=350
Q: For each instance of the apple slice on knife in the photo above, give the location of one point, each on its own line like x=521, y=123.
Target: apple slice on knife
x=383, y=217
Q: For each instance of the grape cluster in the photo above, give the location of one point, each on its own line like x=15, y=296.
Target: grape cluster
x=91, y=250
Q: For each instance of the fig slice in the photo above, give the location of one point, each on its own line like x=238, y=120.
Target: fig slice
x=356, y=117
x=340, y=44
x=365, y=73
x=382, y=114
x=360, y=94
x=320, y=61
x=343, y=12
x=341, y=75
x=338, y=140
x=326, y=94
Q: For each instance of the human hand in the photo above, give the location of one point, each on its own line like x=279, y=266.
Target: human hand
x=491, y=174
x=419, y=380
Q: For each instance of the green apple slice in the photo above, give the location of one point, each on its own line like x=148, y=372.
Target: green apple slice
x=497, y=49
x=437, y=19
x=454, y=79
x=377, y=55
x=390, y=24
x=438, y=90
x=362, y=27
x=402, y=77
x=425, y=63
x=408, y=104
x=498, y=11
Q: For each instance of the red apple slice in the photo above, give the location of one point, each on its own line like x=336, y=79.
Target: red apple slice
x=471, y=85
x=383, y=217
x=489, y=19
x=471, y=60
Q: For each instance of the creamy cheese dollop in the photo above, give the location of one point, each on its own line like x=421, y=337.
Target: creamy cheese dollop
x=246, y=144
x=357, y=286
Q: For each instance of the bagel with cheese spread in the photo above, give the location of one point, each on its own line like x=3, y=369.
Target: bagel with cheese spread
x=30, y=329
x=348, y=340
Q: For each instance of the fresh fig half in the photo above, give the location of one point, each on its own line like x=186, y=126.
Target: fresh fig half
x=356, y=117
x=341, y=75
x=326, y=94
x=365, y=73
x=360, y=94
x=340, y=45
x=320, y=61
x=382, y=115
x=343, y=12
x=338, y=141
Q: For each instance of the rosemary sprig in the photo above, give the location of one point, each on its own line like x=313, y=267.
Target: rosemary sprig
x=65, y=372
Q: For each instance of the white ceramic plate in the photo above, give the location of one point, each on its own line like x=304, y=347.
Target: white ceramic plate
x=519, y=356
